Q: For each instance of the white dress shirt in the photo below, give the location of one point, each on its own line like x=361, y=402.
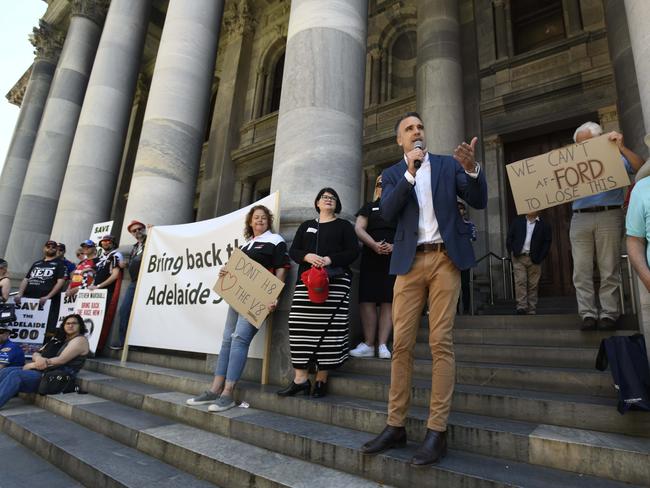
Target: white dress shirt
x=530, y=227
x=428, y=228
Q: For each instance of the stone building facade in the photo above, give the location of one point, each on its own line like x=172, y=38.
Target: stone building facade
x=171, y=111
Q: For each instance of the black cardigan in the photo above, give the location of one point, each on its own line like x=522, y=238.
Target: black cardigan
x=336, y=239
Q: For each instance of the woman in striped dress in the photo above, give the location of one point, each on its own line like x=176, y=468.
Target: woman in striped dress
x=318, y=332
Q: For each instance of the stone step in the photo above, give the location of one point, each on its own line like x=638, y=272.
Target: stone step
x=567, y=357
x=302, y=430
x=21, y=464
x=216, y=458
x=358, y=407
x=91, y=458
x=568, y=380
x=542, y=378
x=567, y=410
x=528, y=337
x=557, y=321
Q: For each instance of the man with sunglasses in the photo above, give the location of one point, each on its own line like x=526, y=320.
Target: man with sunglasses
x=45, y=280
x=138, y=231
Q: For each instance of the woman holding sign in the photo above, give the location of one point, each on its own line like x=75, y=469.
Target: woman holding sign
x=269, y=250
x=324, y=248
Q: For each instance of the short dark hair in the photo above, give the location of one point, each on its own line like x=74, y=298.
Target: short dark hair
x=248, y=227
x=82, y=327
x=405, y=116
x=332, y=192
x=3, y=263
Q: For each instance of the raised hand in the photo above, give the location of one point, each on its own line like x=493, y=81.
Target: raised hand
x=465, y=155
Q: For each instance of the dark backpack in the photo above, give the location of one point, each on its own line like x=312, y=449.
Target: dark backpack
x=628, y=360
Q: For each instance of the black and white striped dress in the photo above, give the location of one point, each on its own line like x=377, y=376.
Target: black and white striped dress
x=307, y=320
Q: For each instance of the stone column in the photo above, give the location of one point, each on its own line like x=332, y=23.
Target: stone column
x=439, y=74
x=216, y=197
x=40, y=193
x=98, y=145
x=638, y=19
x=500, y=28
x=376, y=56
x=320, y=124
x=571, y=9
x=628, y=102
x=164, y=175
x=48, y=47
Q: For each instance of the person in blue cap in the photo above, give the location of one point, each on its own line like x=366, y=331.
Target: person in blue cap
x=11, y=354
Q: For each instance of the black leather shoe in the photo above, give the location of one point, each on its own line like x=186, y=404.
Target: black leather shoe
x=320, y=389
x=588, y=323
x=295, y=388
x=607, y=324
x=432, y=450
x=520, y=311
x=390, y=437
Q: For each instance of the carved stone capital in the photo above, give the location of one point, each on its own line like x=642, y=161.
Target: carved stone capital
x=47, y=41
x=492, y=142
x=94, y=10
x=17, y=92
x=376, y=53
x=239, y=19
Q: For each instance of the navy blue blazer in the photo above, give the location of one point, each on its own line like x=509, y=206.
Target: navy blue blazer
x=399, y=204
x=540, y=241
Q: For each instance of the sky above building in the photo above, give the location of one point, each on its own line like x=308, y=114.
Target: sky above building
x=16, y=56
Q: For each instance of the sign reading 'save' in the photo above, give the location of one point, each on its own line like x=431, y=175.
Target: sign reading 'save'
x=248, y=287
x=566, y=174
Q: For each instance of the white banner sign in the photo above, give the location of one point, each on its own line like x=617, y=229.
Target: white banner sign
x=31, y=321
x=175, y=306
x=99, y=230
x=91, y=305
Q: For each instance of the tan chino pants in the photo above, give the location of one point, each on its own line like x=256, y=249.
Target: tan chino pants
x=434, y=279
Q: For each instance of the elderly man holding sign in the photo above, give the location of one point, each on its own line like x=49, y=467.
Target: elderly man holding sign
x=269, y=250
x=597, y=230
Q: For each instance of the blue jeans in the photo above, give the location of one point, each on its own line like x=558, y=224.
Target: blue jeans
x=237, y=337
x=125, y=311
x=15, y=379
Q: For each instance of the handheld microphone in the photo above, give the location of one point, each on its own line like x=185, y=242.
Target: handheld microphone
x=418, y=162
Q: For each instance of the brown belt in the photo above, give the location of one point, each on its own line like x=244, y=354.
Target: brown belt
x=437, y=247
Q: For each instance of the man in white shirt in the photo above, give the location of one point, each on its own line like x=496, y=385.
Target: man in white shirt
x=432, y=244
x=528, y=243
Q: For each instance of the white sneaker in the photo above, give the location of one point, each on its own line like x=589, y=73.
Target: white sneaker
x=384, y=353
x=363, y=350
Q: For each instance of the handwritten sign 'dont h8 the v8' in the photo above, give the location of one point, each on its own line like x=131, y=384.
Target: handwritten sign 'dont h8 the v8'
x=566, y=174
x=248, y=287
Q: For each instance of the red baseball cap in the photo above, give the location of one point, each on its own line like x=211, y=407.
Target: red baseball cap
x=134, y=222
x=317, y=283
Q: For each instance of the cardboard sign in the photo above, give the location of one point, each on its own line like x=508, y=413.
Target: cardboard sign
x=29, y=328
x=248, y=287
x=91, y=305
x=567, y=174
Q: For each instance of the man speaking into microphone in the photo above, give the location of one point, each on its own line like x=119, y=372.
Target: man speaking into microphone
x=432, y=244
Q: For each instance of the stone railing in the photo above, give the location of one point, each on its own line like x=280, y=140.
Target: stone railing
x=378, y=120
x=258, y=130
